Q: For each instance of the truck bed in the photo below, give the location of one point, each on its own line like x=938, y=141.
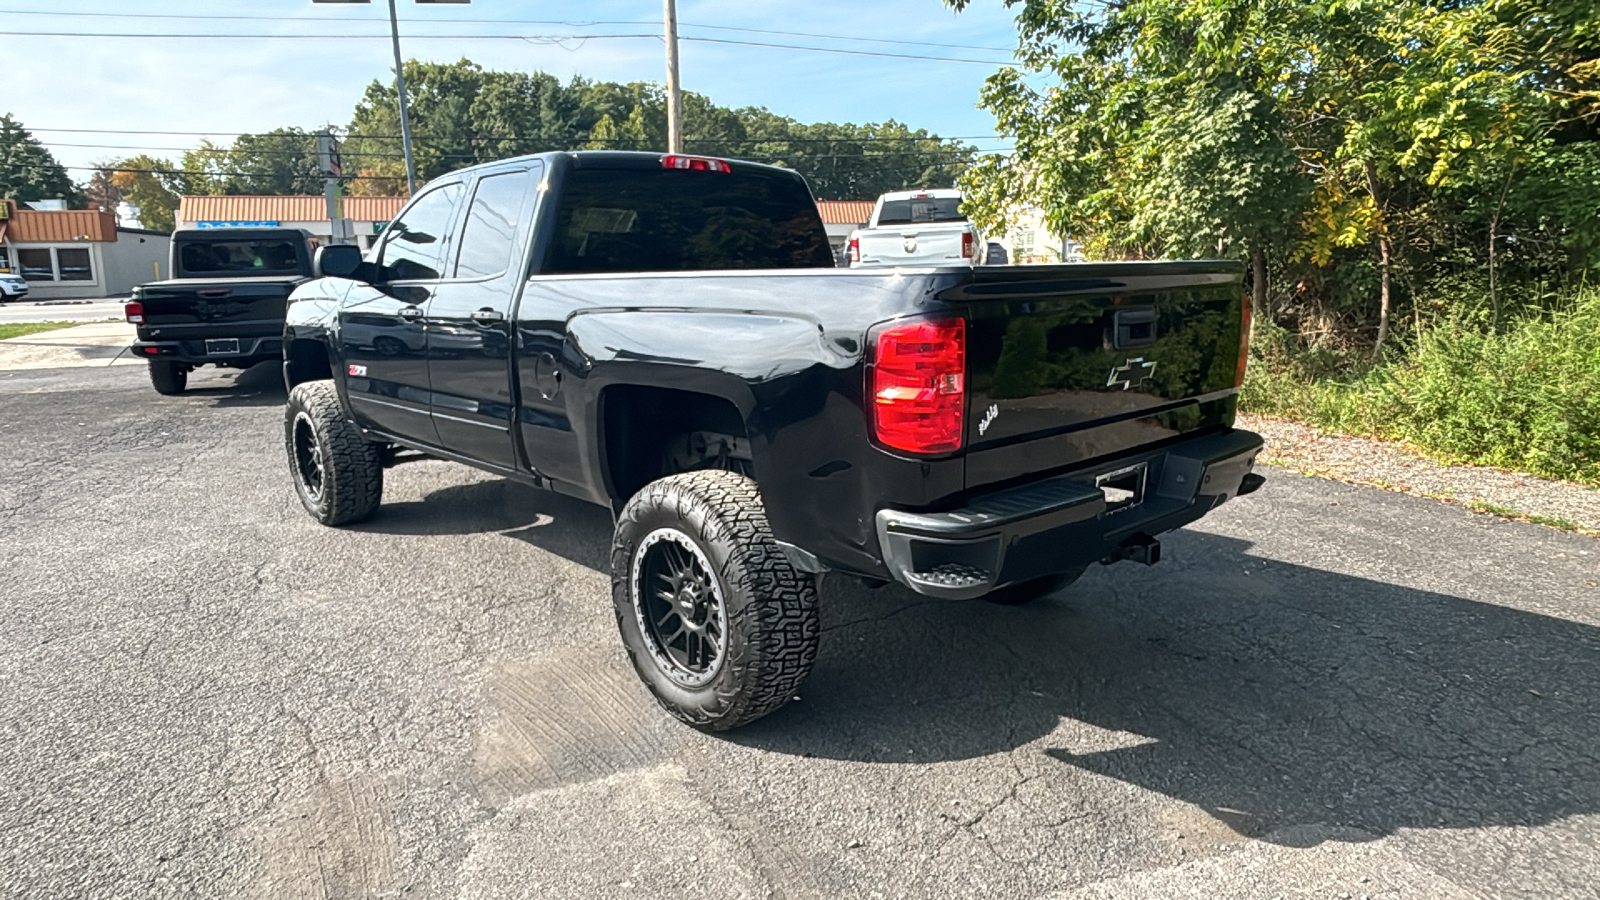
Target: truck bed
x=1050, y=385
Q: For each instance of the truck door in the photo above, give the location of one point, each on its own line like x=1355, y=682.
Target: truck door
x=469, y=319
x=381, y=330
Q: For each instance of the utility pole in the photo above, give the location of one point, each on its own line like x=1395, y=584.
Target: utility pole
x=405, y=112
x=674, y=91
x=400, y=84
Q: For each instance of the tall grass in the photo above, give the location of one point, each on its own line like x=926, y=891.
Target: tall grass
x=1526, y=397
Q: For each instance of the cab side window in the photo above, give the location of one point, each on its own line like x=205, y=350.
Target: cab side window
x=415, y=245
x=491, y=224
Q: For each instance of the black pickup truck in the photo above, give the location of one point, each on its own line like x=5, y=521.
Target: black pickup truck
x=223, y=305
x=668, y=336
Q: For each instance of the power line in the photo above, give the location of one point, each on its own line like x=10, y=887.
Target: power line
x=515, y=137
x=531, y=38
x=146, y=171
x=946, y=156
x=309, y=150
x=706, y=40
x=568, y=24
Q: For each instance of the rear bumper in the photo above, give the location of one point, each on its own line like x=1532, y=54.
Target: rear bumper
x=251, y=349
x=1062, y=523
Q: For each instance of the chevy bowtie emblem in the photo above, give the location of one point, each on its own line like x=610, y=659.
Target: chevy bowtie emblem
x=1131, y=374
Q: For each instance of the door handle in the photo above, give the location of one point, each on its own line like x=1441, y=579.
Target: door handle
x=410, y=312
x=488, y=315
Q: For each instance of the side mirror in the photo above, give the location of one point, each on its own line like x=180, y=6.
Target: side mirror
x=337, y=261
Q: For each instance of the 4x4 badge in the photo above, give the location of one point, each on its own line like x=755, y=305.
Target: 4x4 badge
x=1131, y=374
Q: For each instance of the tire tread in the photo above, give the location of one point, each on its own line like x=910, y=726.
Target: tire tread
x=781, y=612
x=353, y=471
x=168, y=378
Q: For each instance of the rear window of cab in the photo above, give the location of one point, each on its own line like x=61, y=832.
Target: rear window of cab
x=666, y=220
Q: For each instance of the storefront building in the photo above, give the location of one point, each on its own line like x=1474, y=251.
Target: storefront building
x=368, y=214
x=78, y=254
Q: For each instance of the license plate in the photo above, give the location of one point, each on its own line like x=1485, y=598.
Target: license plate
x=1123, y=488
x=222, y=347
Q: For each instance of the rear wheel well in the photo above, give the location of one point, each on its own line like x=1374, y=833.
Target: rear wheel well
x=652, y=432
x=305, y=360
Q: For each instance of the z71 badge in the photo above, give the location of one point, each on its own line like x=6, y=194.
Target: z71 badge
x=358, y=371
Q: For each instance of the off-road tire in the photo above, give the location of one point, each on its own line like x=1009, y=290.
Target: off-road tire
x=771, y=635
x=351, y=470
x=169, y=378
x=1025, y=592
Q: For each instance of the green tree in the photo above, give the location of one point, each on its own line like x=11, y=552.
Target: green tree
x=28, y=170
x=200, y=171
x=1322, y=141
x=464, y=114
x=281, y=161
x=143, y=181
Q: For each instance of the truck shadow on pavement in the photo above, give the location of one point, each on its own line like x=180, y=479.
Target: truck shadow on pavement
x=571, y=529
x=259, y=385
x=1267, y=693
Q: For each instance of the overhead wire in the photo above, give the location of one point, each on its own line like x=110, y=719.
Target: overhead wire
x=450, y=21
x=957, y=152
x=309, y=150
x=515, y=137
x=528, y=38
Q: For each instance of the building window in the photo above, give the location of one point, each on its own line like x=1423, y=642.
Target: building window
x=36, y=265
x=72, y=264
x=53, y=264
x=1025, y=241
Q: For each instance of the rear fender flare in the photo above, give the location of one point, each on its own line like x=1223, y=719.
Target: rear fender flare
x=758, y=363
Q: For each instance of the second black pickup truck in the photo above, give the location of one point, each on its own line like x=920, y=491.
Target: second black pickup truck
x=667, y=336
x=223, y=305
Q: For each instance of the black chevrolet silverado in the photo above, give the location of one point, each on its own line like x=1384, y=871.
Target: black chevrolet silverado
x=667, y=336
x=223, y=305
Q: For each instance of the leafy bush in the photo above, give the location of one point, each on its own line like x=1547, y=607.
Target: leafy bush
x=1525, y=398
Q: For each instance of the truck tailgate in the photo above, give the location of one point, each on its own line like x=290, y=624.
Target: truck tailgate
x=238, y=307
x=1068, y=364
x=919, y=244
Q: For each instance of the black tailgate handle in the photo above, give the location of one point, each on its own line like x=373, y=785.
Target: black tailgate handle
x=215, y=294
x=1133, y=328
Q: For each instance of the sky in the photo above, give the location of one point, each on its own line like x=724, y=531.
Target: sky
x=83, y=96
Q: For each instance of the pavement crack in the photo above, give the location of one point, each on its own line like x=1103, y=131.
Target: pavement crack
x=885, y=616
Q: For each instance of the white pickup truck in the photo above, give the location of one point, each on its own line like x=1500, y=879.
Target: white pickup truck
x=910, y=228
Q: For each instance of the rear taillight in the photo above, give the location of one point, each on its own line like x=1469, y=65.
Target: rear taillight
x=1244, y=343
x=695, y=163
x=967, y=244
x=135, y=313
x=918, y=384
x=855, y=250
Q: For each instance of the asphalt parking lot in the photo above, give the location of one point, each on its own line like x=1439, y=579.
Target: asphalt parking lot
x=1324, y=691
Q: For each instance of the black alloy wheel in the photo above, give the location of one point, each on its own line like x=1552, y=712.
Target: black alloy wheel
x=307, y=456
x=337, y=472
x=681, y=614
x=717, y=622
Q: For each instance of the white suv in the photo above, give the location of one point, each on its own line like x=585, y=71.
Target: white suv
x=12, y=287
